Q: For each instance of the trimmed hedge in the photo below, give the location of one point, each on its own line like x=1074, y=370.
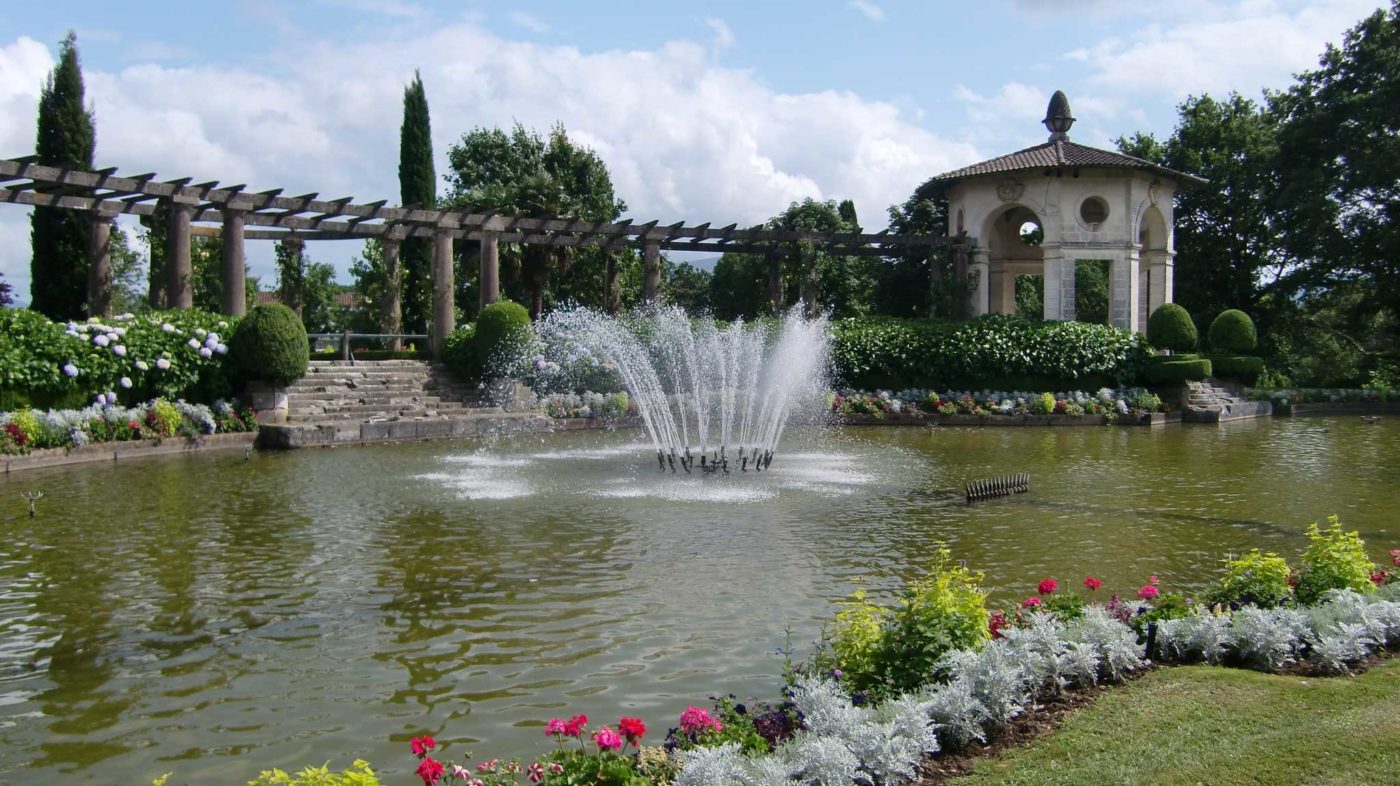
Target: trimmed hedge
x=269, y=345
x=503, y=338
x=1175, y=369
x=1245, y=367
x=1170, y=327
x=459, y=353
x=993, y=352
x=1232, y=332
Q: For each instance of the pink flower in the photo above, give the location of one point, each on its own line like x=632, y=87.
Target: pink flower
x=488, y=766
x=430, y=770
x=536, y=772
x=421, y=745
x=1048, y=586
x=632, y=729
x=1148, y=592
x=1379, y=577
x=695, y=720
x=576, y=725
x=1395, y=557
x=458, y=771
x=554, y=726
x=1092, y=583
x=996, y=623
x=555, y=768
x=607, y=739
x=1152, y=579
x=1030, y=603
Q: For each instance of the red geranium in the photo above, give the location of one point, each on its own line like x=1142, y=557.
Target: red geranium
x=1092, y=583
x=997, y=623
x=632, y=729
x=421, y=745
x=575, y=725
x=1395, y=557
x=1148, y=592
x=1379, y=577
x=1030, y=603
x=1048, y=586
x=430, y=770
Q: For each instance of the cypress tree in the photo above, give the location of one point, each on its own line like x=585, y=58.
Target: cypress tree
x=59, y=268
x=417, y=186
x=847, y=211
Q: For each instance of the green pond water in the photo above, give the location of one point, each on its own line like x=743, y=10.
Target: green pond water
x=215, y=616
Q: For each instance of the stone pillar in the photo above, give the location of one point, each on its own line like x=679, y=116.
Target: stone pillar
x=775, y=282
x=1160, y=267
x=391, y=308
x=611, y=297
x=979, y=285
x=651, y=272
x=1059, y=285
x=490, y=268
x=1123, y=291
x=962, y=294
x=178, y=293
x=1002, y=295
x=1144, y=287
x=100, y=266
x=235, y=285
x=444, y=310
x=808, y=286
x=292, y=286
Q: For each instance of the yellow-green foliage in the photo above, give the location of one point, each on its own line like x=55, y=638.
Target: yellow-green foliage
x=28, y=423
x=1257, y=578
x=357, y=774
x=857, y=633
x=164, y=418
x=1333, y=560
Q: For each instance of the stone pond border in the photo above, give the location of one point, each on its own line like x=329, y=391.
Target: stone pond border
x=116, y=452
x=903, y=419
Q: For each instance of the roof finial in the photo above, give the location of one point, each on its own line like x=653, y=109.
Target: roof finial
x=1057, y=117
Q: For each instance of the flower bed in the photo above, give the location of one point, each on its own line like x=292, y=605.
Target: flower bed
x=609, y=406
x=25, y=430
x=937, y=672
x=922, y=403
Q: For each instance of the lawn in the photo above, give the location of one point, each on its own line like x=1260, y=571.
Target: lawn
x=1206, y=725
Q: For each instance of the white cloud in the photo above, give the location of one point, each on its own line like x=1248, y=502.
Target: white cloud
x=871, y=11
x=724, y=36
x=531, y=23
x=684, y=137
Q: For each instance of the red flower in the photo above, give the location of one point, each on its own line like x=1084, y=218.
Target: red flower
x=421, y=745
x=1030, y=603
x=134, y=426
x=1048, y=586
x=1395, y=557
x=536, y=772
x=1148, y=592
x=430, y=770
x=996, y=623
x=1092, y=583
x=1379, y=577
x=1293, y=580
x=574, y=726
x=632, y=729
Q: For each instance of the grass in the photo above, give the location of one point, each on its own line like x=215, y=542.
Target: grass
x=1206, y=725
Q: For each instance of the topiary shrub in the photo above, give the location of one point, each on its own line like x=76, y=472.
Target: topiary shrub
x=269, y=345
x=1173, y=370
x=459, y=352
x=1244, y=367
x=1333, y=560
x=1170, y=327
x=1256, y=579
x=503, y=339
x=1232, y=332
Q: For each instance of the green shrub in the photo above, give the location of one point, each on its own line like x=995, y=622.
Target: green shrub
x=1256, y=579
x=1044, y=404
x=1244, y=367
x=1233, y=332
x=269, y=345
x=459, y=353
x=1333, y=560
x=358, y=774
x=1170, y=327
x=503, y=339
x=1175, y=369
x=990, y=353
x=1167, y=606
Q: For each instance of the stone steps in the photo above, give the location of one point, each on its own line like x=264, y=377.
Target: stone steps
x=345, y=395
x=1215, y=401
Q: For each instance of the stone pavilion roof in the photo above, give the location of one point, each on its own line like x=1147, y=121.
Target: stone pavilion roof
x=1058, y=155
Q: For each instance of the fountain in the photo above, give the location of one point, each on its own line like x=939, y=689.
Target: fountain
x=714, y=399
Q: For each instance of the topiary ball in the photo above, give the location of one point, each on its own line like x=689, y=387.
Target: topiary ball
x=269, y=345
x=1170, y=327
x=1232, y=331
x=503, y=339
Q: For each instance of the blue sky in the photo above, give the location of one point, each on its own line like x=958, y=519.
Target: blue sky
x=717, y=111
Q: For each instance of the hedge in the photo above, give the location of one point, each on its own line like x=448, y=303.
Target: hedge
x=503, y=338
x=270, y=345
x=1168, y=370
x=1232, y=331
x=1245, y=367
x=1170, y=327
x=989, y=353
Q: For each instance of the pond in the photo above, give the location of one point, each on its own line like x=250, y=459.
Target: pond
x=214, y=616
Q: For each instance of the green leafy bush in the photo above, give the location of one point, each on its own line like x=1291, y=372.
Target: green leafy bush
x=1166, y=606
x=1333, y=560
x=1044, y=404
x=1245, y=367
x=890, y=650
x=269, y=345
x=1175, y=369
x=1257, y=579
x=991, y=353
x=1232, y=332
x=459, y=352
x=503, y=339
x=357, y=774
x=1170, y=327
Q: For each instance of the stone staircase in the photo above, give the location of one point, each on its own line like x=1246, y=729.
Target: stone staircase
x=1216, y=401
x=388, y=400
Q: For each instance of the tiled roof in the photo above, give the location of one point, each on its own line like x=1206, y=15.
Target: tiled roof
x=1060, y=154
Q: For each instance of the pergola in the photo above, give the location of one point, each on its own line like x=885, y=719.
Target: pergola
x=238, y=215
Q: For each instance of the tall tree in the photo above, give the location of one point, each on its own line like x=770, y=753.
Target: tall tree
x=417, y=186
x=59, y=268
x=686, y=286
x=917, y=282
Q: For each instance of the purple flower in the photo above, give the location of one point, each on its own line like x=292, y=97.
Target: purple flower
x=111, y=397
x=125, y=382
x=119, y=350
x=222, y=349
x=167, y=327
x=194, y=343
x=70, y=370
x=162, y=364
x=205, y=352
x=101, y=340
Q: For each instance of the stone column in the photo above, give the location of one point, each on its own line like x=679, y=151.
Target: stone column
x=178, y=293
x=1059, y=285
x=490, y=268
x=100, y=266
x=292, y=287
x=1002, y=296
x=444, y=310
x=611, y=297
x=1144, y=285
x=235, y=285
x=979, y=285
x=1160, y=267
x=391, y=307
x=1123, y=291
x=808, y=287
x=651, y=272
x=962, y=292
